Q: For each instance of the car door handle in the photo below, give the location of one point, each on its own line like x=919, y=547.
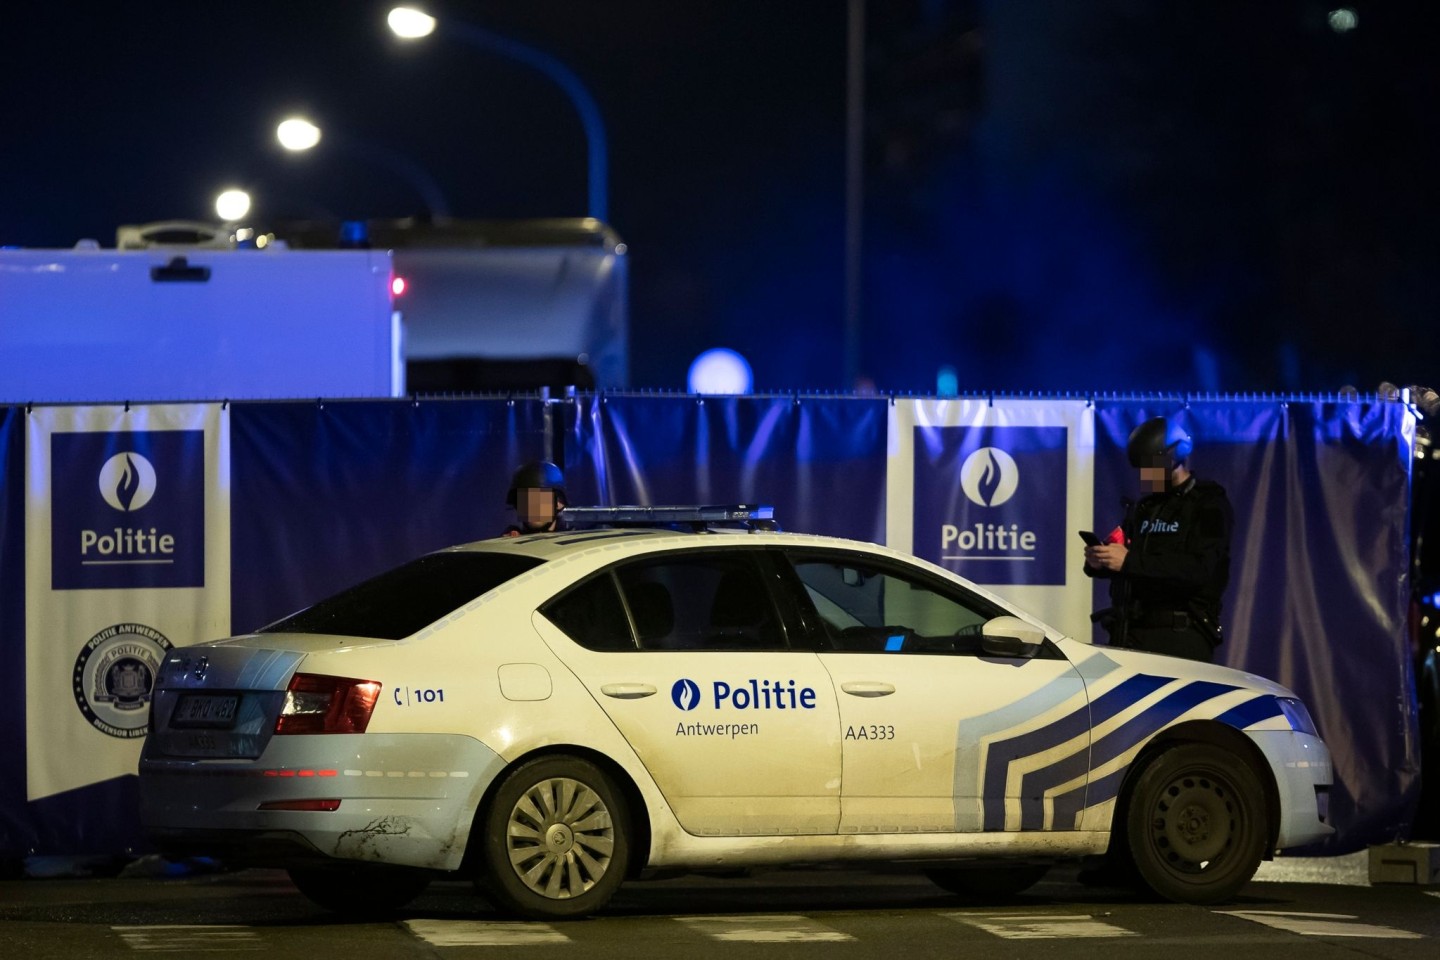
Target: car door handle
x=627, y=691
x=868, y=688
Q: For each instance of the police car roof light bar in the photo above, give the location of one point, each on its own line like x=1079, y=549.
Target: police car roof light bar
x=751, y=516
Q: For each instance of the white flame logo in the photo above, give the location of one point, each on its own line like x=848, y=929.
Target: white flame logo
x=127, y=481
x=686, y=694
x=989, y=476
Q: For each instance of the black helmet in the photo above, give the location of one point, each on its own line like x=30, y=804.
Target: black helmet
x=1157, y=439
x=538, y=475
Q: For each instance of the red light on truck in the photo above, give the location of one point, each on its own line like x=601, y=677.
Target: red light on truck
x=397, y=286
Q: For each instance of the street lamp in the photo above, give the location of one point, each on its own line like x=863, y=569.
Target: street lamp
x=408, y=23
x=854, y=184
x=232, y=205
x=298, y=134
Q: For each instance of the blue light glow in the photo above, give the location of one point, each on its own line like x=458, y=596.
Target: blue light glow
x=720, y=371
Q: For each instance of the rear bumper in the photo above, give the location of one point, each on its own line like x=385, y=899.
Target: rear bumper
x=404, y=799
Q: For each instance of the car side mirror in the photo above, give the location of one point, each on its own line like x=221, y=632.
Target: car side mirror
x=1011, y=637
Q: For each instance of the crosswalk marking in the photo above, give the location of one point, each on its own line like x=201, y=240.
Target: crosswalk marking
x=484, y=933
x=189, y=938
x=1040, y=926
x=754, y=928
x=764, y=928
x=1321, y=924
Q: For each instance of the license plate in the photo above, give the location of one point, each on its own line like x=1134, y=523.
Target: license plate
x=205, y=710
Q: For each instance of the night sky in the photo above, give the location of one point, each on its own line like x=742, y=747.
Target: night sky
x=1110, y=195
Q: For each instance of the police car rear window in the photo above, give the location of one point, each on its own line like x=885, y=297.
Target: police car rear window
x=401, y=601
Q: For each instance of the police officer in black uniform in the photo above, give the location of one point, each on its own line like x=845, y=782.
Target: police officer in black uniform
x=1170, y=571
x=537, y=494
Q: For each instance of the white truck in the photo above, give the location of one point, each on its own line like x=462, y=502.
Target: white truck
x=496, y=305
x=196, y=320
x=189, y=311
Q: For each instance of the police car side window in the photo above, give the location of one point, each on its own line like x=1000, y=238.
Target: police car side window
x=869, y=608
x=401, y=601
x=701, y=601
x=592, y=615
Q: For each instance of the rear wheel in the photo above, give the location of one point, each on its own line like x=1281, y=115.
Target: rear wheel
x=556, y=841
x=1196, y=827
x=995, y=881
x=361, y=889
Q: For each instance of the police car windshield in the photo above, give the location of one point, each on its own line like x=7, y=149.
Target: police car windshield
x=400, y=602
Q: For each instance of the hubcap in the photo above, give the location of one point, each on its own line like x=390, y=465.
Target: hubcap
x=560, y=838
x=1193, y=822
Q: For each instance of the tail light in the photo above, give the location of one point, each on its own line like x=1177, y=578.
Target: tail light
x=321, y=704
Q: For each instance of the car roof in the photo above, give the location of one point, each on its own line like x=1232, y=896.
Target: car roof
x=568, y=544
x=562, y=547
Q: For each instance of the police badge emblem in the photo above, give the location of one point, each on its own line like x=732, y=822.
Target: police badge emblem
x=114, y=676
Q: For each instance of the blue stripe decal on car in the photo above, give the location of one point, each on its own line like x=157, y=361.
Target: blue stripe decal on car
x=1128, y=735
x=1002, y=753
x=1034, y=784
x=1067, y=807
x=1126, y=695
x=1251, y=711
x=1138, y=728
x=998, y=756
x=1069, y=804
x=971, y=752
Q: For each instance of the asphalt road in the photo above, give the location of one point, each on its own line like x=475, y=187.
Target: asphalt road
x=795, y=913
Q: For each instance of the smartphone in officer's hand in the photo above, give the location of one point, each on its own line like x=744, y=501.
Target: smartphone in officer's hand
x=1090, y=538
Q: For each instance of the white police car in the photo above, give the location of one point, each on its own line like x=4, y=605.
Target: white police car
x=555, y=713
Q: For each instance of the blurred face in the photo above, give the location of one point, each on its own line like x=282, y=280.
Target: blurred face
x=1155, y=474
x=536, y=507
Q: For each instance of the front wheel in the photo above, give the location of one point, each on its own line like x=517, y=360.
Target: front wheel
x=555, y=839
x=1196, y=826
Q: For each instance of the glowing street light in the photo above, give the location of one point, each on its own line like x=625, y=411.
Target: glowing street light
x=232, y=205
x=409, y=23
x=1343, y=19
x=298, y=135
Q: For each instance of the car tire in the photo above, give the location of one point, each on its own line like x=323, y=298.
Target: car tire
x=556, y=840
x=994, y=882
x=1196, y=826
x=361, y=889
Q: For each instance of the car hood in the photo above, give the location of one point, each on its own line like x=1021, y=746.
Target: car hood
x=1088, y=657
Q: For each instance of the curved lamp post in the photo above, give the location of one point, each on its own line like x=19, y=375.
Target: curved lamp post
x=297, y=135
x=408, y=23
